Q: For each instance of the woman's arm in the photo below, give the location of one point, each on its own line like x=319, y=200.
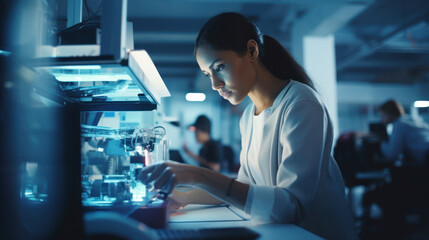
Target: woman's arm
x=167, y=175
x=213, y=165
x=223, y=188
x=181, y=199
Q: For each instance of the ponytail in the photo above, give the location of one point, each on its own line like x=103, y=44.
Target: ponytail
x=280, y=63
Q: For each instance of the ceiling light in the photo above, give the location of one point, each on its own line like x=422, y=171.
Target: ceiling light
x=195, y=97
x=421, y=104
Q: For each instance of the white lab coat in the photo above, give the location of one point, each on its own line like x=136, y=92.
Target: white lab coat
x=302, y=182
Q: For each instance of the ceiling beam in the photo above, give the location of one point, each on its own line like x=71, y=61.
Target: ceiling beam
x=404, y=45
x=400, y=76
x=324, y=18
x=384, y=64
x=317, y=19
x=338, y=19
x=347, y=37
x=416, y=20
x=413, y=50
x=288, y=19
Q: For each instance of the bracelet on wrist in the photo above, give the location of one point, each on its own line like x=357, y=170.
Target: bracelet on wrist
x=228, y=191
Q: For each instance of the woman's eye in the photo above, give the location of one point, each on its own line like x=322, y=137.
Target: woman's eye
x=220, y=67
x=207, y=75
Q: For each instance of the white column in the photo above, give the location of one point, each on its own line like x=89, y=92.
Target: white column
x=319, y=62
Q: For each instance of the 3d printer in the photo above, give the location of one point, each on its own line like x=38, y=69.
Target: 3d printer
x=117, y=79
x=111, y=162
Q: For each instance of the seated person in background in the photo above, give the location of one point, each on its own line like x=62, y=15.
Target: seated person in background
x=209, y=155
x=409, y=137
x=406, y=189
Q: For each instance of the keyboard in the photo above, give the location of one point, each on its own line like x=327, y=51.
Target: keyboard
x=236, y=233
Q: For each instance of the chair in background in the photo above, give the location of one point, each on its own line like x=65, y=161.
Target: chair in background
x=412, y=184
x=354, y=154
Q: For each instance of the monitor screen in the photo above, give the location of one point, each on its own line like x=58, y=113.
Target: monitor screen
x=378, y=129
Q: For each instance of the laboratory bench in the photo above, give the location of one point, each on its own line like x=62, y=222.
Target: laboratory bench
x=197, y=216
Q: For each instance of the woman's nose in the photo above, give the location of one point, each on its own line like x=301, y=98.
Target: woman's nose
x=217, y=83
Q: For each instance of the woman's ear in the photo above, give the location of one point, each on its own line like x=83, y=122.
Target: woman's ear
x=252, y=48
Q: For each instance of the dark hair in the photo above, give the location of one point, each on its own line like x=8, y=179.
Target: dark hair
x=232, y=31
x=203, y=123
x=392, y=108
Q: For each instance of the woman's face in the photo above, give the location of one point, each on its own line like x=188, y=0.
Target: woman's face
x=231, y=75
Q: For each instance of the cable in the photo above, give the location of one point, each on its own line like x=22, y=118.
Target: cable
x=87, y=8
x=86, y=22
x=147, y=135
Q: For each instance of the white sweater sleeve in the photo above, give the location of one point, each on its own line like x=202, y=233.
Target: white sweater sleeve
x=395, y=146
x=303, y=134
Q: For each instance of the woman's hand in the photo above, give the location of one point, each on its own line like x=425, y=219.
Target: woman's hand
x=178, y=200
x=167, y=175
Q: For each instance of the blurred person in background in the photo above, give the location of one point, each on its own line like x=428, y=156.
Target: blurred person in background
x=211, y=152
x=406, y=150
x=409, y=137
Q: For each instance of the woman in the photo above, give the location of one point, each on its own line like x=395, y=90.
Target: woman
x=410, y=136
x=287, y=173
